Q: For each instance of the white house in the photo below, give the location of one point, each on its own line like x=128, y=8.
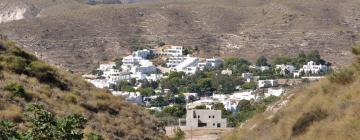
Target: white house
x=175, y=51
x=189, y=62
x=174, y=61
x=154, y=77
x=99, y=83
x=133, y=97
x=312, y=68
x=143, y=66
x=129, y=61
x=104, y=67
x=115, y=75
x=248, y=76
x=246, y=95
x=261, y=68
x=285, y=69
x=189, y=95
x=205, y=118
x=145, y=53
x=172, y=51
x=267, y=83
x=274, y=92
x=138, y=76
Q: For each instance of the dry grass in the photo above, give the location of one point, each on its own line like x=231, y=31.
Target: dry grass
x=109, y=116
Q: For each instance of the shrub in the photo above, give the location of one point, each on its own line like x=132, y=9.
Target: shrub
x=179, y=134
x=344, y=76
x=14, y=64
x=16, y=90
x=8, y=131
x=94, y=136
x=45, y=74
x=306, y=120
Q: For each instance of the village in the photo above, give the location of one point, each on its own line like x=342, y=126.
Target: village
x=182, y=89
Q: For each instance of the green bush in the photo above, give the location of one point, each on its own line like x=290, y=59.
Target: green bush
x=8, y=131
x=14, y=64
x=344, y=76
x=17, y=90
x=45, y=74
x=94, y=136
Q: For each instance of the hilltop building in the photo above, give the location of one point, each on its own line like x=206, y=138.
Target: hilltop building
x=205, y=118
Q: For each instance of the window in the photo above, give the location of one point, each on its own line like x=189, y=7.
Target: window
x=213, y=124
x=198, y=116
x=213, y=116
x=209, y=116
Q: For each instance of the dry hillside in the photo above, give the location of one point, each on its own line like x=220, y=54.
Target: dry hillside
x=26, y=80
x=77, y=36
x=326, y=110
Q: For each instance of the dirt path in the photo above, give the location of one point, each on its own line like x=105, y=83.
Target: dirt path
x=200, y=133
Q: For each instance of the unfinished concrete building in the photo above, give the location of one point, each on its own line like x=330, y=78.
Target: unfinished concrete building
x=205, y=118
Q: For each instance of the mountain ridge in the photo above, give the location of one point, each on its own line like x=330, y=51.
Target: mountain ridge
x=85, y=35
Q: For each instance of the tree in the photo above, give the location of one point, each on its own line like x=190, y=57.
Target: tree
x=244, y=105
x=158, y=102
x=200, y=107
x=146, y=91
x=118, y=63
x=174, y=111
x=261, y=61
x=249, y=85
x=44, y=125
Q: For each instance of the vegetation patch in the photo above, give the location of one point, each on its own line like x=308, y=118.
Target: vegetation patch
x=344, y=76
x=306, y=120
x=17, y=90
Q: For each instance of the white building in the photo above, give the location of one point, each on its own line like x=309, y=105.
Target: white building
x=205, y=118
x=138, y=76
x=189, y=62
x=154, y=77
x=133, y=97
x=143, y=66
x=172, y=51
x=145, y=53
x=261, y=68
x=209, y=63
x=189, y=95
x=248, y=76
x=312, y=68
x=129, y=61
x=174, y=61
x=246, y=95
x=274, y=92
x=267, y=83
x=113, y=75
x=105, y=67
x=285, y=69
x=99, y=83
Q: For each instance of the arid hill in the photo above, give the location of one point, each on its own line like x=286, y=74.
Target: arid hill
x=77, y=36
x=25, y=80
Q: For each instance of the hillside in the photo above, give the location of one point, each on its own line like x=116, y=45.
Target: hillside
x=77, y=36
x=25, y=80
x=326, y=110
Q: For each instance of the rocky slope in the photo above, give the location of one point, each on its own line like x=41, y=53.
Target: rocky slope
x=25, y=80
x=82, y=35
